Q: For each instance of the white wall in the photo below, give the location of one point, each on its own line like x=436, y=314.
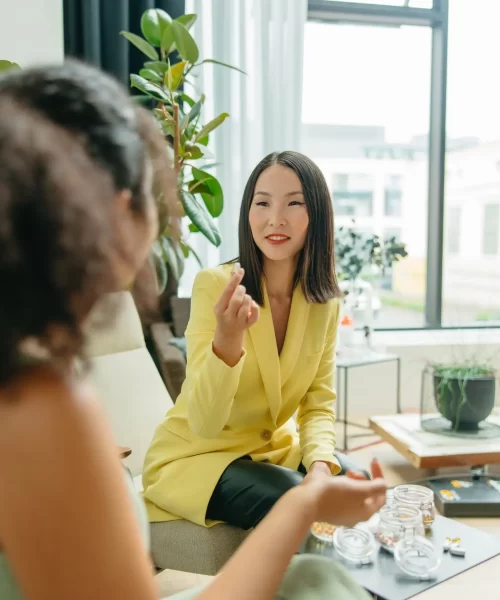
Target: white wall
x=31, y=31
x=372, y=389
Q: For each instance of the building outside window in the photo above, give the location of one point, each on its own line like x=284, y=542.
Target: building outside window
x=393, y=196
x=352, y=194
x=491, y=223
x=453, y=229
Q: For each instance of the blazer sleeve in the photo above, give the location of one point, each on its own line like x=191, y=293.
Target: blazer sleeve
x=316, y=415
x=210, y=384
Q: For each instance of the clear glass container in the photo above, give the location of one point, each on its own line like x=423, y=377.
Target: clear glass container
x=323, y=532
x=419, y=497
x=417, y=557
x=397, y=523
x=356, y=545
x=374, y=521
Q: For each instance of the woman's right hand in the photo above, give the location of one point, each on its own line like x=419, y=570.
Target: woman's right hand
x=235, y=312
x=344, y=501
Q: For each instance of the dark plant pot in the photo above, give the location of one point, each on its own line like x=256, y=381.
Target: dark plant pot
x=465, y=405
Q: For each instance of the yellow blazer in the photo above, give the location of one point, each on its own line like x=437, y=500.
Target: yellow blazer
x=225, y=413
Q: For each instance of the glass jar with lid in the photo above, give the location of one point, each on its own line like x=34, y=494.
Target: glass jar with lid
x=419, y=497
x=417, y=557
x=397, y=523
x=355, y=545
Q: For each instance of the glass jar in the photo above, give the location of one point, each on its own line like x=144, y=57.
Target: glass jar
x=323, y=532
x=356, y=545
x=397, y=523
x=374, y=521
x=417, y=557
x=419, y=497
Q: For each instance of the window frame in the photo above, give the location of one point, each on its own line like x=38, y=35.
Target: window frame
x=338, y=11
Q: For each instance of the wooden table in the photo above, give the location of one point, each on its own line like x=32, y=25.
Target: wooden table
x=426, y=450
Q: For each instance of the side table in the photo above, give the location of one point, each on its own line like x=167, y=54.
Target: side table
x=353, y=360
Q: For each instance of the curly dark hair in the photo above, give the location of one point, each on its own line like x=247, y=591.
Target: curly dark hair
x=70, y=138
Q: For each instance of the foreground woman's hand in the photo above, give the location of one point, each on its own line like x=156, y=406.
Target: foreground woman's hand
x=375, y=470
x=338, y=500
x=345, y=502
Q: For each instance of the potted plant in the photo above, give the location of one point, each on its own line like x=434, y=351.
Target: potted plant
x=355, y=251
x=464, y=393
x=172, y=56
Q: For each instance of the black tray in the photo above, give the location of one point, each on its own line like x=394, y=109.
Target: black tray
x=384, y=578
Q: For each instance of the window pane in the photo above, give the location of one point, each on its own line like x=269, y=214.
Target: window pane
x=412, y=3
x=352, y=194
x=490, y=229
x=453, y=231
x=365, y=121
x=471, y=282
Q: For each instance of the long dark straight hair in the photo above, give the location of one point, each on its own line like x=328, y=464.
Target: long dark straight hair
x=316, y=264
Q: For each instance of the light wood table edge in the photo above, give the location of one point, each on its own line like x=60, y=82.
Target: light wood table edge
x=397, y=444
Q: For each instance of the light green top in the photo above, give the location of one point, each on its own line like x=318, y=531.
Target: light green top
x=309, y=577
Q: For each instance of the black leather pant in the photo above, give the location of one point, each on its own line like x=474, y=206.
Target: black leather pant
x=247, y=490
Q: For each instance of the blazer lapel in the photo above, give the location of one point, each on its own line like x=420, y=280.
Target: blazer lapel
x=266, y=351
x=297, y=323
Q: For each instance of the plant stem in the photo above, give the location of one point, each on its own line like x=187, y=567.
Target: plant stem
x=177, y=136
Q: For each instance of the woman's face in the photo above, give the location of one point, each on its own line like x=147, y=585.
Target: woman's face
x=278, y=214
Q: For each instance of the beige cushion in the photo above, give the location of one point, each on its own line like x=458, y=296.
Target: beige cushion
x=134, y=396
x=136, y=401
x=172, y=582
x=184, y=546
x=113, y=326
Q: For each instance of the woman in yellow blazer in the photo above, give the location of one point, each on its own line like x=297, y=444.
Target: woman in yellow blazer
x=261, y=350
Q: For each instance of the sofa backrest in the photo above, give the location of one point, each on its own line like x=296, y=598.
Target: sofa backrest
x=125, y=376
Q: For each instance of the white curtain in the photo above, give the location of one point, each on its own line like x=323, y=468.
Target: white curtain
x=264, y=38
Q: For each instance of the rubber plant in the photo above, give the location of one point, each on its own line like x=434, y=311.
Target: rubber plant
x=172, y=56
x=7, y=64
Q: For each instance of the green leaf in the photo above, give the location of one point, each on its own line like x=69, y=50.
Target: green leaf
x=195, y=151
x=150, y=27
x=157, y=66
x=197, y=187
x=213, y=124
x=174, y=76
x=187, y=250
x=150, y=75
x=196, y=108
x=186, y=46
x=222, y=64
x=187, y=99
x=7, y=64
x=168, y=128
x=200, y=217
x=172, y=257
x=193, y=228
x=187, y=20
x=141, y=44
x=167, y=39
x=215, y=199
x=142, y=100
x=156, y=257
x=203, y=141
x=148, y=88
